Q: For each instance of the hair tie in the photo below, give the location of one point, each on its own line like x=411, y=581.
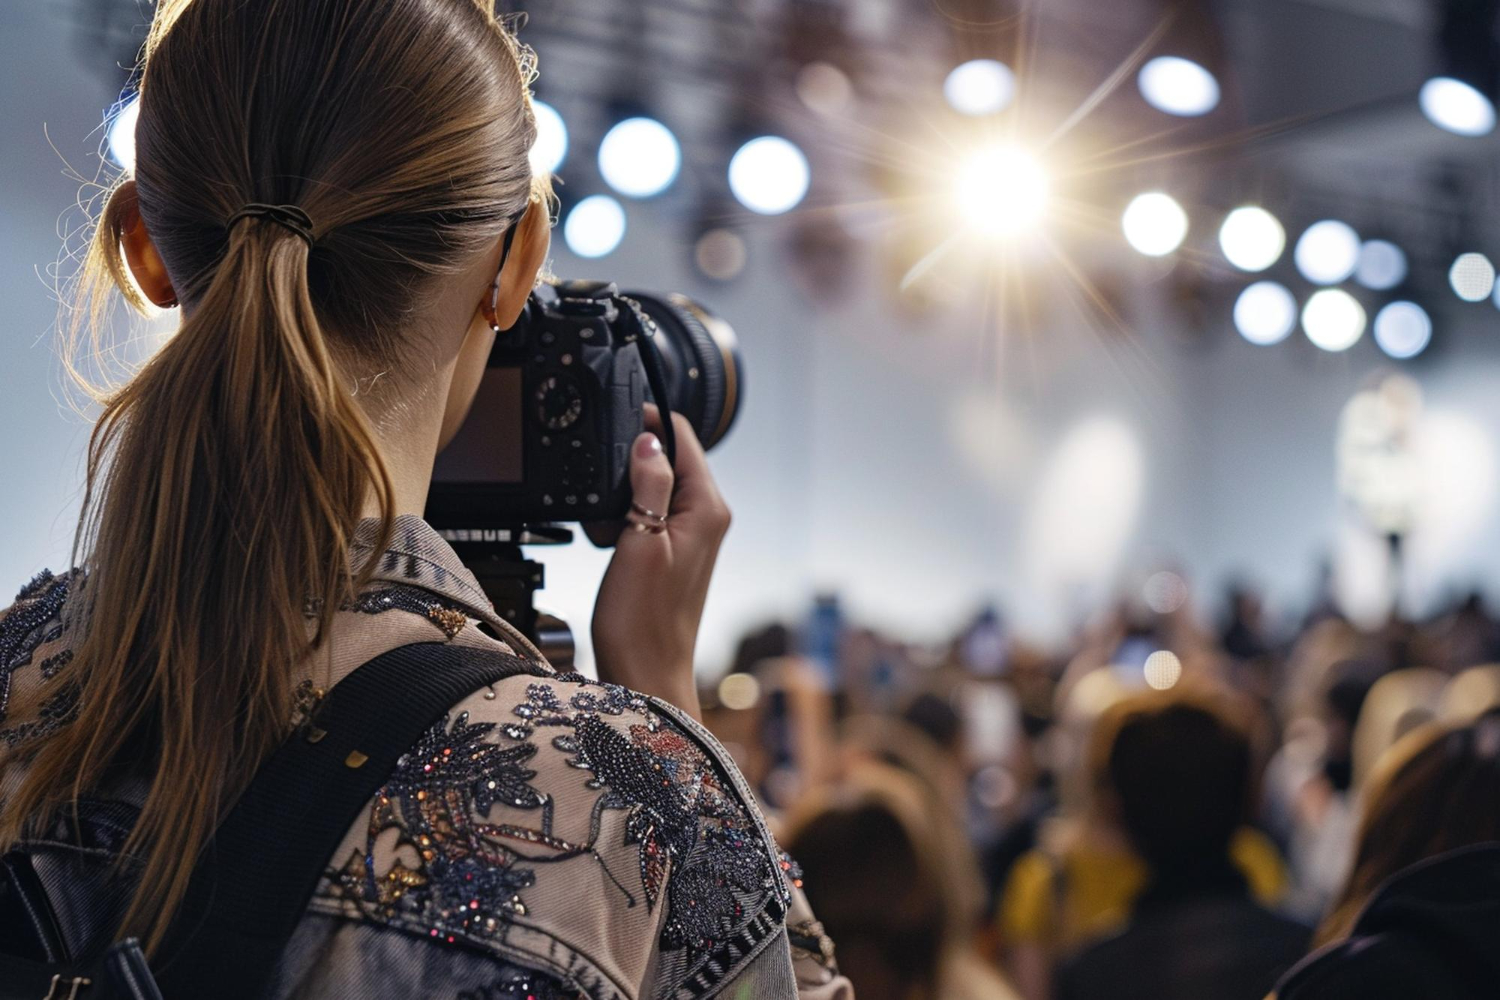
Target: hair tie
x=289, y=216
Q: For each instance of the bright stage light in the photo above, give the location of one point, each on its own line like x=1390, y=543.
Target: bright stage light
x=1178, y=86
x=1382, y=265
x=1265, y=313
x=1333, y=319
x=1472, y=277
x=980, y=87
x=1154, y=224
x=1457, y=107
x=1328, y=252
x=122, y=134
x=1252, y=238
x=1001, y=191
x=639, y=157
x=595, y=226
x=1403, y=329
x=551, y=144
x=769, y=175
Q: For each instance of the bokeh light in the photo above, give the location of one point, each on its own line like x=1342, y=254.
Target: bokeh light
x=1472, y=277
x=1163, y=669
x=825, y=88
x=1154, y=224
x=739, y=691
x=980, y=87
x=1327, y=252
x=639, y=157
x=122, y=134
x=720, y=254
x=1402, y=329
x=1457, y=107
x=1333, y=319
x=595, y=226
x=551, y=145
x=1265, y=313
x=1382, y=265
x=769, y=175
x=1178, y=86
x=1252, y=238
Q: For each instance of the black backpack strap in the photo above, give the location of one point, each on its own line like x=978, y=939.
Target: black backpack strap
x=254, y=879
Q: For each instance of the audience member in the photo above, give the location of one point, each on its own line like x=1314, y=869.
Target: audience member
x=1179, y=779
x=1420, y=913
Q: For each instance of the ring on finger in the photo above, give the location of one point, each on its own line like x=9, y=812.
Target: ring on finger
x=646, y=520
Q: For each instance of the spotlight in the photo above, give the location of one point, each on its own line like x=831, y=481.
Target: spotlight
x=1178, y=86
x=122, y=133
x=1252, y=238
x=551, y=144
x=1382, y=265
x=1333, y=319
x=1402, y=329
x=595, y=226
x=980, y=87
x=1472, y=277
x=1001, y=191
x=1327, y=252
x=639, y=157
x=1265, y=313
x=1154, y=224
x=769, y=175
x=1460, y=97
x=1457, y=106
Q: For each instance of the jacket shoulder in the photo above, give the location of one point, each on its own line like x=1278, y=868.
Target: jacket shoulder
x=578, y=828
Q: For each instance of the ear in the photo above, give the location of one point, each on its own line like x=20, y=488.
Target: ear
x=140, y=253
x=518, y=277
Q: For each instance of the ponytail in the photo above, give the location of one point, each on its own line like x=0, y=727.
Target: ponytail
x=230, y=473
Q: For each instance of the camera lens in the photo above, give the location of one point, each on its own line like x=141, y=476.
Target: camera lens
x=701, y=357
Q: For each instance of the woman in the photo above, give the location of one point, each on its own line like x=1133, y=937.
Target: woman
x=1419, y=913
x=337, y=195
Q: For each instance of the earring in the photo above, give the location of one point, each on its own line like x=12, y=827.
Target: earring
x=493, y=314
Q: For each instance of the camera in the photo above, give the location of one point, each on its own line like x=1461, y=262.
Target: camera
x=563, y=398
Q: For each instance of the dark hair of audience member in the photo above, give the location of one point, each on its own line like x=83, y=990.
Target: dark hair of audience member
x=1180, y=773
x=877, y=888
x=1436, y=790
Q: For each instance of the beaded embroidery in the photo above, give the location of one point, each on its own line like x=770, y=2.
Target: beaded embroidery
x=518, y=984
x=697, y=848
x=34, y=619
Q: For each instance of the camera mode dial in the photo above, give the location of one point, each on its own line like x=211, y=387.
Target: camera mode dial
x=559, y=402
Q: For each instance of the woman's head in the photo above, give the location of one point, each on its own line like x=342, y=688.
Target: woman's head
x=227, y=477
x=1436, y=790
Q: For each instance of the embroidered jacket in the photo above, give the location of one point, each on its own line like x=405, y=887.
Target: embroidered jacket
x=551, y=837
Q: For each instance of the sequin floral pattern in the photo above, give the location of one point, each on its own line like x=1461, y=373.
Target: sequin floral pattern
x=34, y=619
x=696, y=850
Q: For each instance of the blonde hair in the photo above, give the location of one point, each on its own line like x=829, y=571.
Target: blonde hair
x=227, y=476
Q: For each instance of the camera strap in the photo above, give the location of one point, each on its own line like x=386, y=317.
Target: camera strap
x=642, y=331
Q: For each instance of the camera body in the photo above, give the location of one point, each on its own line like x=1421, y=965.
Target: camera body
x=562, y=400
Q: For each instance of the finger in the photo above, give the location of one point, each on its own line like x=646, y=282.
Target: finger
x=651, y=481
x=695, y=486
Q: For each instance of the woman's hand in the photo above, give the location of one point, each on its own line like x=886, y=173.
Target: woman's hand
x=651, y=600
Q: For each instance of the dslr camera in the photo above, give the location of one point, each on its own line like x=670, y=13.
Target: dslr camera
x=563, y=398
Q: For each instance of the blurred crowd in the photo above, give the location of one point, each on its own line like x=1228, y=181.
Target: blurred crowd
x=1180, y=804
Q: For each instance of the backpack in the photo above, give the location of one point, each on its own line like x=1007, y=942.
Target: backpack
x=253, y=879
